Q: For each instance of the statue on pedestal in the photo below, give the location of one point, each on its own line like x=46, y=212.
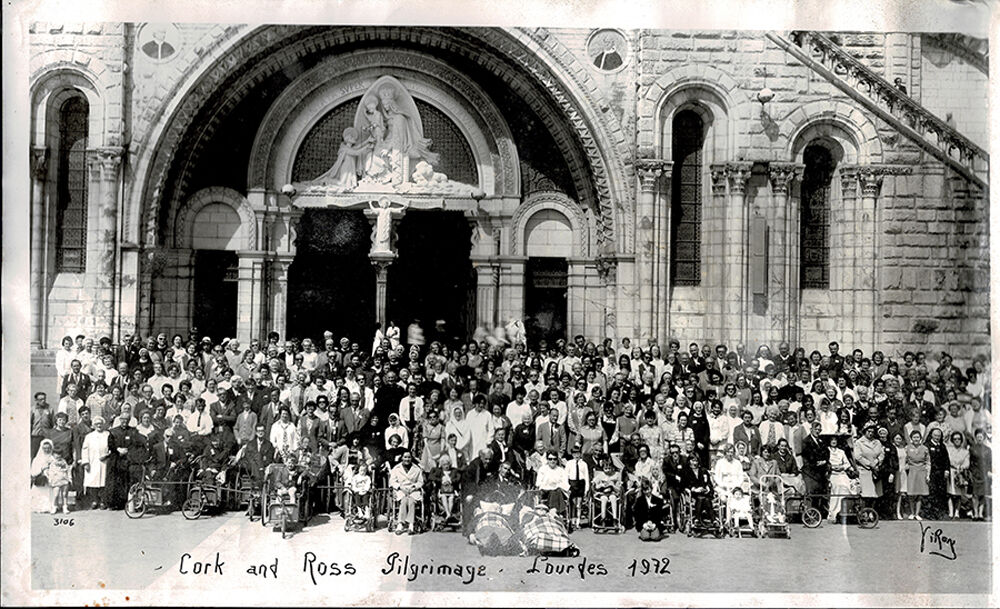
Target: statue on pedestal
x=382, y=237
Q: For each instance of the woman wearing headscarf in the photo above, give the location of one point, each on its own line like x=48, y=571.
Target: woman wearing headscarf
x=41, y=491
x=459, y=427
x=94, y=457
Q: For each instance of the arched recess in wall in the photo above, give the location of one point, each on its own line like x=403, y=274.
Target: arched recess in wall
x=568, y=212
x=216, y=218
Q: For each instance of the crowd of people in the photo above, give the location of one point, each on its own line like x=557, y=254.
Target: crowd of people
x=573, y=420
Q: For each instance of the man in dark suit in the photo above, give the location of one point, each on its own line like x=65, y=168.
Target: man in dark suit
x=355, y=417
x=815, y=462
x=257, y=455
x=698, y=481
x=502, y=453
x=270, y=411
x=387, y=399
x=552, y=434
x=748, y=433
x=78, y=378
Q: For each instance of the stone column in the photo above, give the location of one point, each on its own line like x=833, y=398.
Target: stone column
x=108, y=162
x=279, y=294
x=866, y=271
x=576, y=297
x=487, y=276
x=607, y=270
x=250, y=295
x=736, y=260
x=39, y=230
x=381, y=263
x=649, y=171
x=714, y=229
x=661, y=254
x=843, y=244
x=782, y=176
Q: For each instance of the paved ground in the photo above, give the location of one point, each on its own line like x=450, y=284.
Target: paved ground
x=107, y=549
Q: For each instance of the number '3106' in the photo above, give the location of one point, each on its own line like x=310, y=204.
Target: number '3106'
x=62, y=521
x=650, y=566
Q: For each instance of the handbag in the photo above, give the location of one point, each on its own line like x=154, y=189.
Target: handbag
x=40, y=480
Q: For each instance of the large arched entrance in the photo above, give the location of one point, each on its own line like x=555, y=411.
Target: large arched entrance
x=331, y=282
x=506, y=124
x=432, y=279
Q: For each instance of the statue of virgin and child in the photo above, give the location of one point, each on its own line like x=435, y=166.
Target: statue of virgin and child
x=387, y=135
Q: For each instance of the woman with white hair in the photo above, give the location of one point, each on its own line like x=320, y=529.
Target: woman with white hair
x=94, y=456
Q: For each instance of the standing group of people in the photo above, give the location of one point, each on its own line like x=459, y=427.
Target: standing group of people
x=568, y=419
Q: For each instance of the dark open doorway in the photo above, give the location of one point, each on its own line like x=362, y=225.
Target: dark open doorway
x=331, y=283
x=215, y=281
x=432, y=278
x=545, y=299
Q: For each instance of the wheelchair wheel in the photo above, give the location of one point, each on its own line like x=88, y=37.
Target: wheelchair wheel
x=193, y=506
x=867, y=518
x=263, y=505
x=811, y=517
x=135, y=505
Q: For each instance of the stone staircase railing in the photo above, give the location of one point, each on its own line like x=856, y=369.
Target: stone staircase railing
x=862, y=84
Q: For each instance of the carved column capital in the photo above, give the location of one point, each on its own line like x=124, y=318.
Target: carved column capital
x=607, y=269
x=719, y=175
x=39, y=162
x=105, y=159
x=650, y=170
x=783, y=175
x=738, y=174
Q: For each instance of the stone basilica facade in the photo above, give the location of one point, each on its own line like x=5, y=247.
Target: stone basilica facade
x=706, y=185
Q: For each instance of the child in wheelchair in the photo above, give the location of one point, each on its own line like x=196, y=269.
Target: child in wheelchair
x=739, y=510
x=607, y=492
x=359, y=486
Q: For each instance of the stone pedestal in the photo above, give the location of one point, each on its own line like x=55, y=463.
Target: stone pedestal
x=381, y=262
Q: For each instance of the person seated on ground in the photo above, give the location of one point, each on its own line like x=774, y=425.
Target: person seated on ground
x=647, y=510
x=698, y=482
x=280, y=477
x=407, y=482
x=553, y=482
x=360, y=486
x=738, y=509
x=607, y=491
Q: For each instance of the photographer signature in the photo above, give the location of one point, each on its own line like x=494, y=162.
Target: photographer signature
x=936, y=543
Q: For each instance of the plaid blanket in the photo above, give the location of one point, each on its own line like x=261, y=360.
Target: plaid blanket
x=494, y=535
x=545, y=533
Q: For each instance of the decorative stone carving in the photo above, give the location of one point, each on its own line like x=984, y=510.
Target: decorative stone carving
x=39, y=162
x=783, y=175
x=650, y=170
x=509, y=48
x=738, y=174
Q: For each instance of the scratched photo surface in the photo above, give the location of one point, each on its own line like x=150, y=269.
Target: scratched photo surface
x=623, y=310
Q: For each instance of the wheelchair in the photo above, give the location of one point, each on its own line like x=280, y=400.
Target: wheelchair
x=698, y=527
x=279, y=510
x=420, y=517
x=438, y=520
x=610, y=525
x=218, y=494
x=248, y=494
x=152, y=492
x=363, y=517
